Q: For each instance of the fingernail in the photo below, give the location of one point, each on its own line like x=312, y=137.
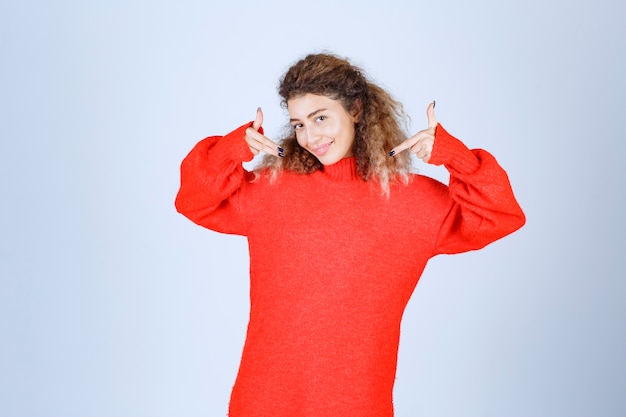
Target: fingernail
x=258, y=109
x=392, y=153
x=434, y=102
x=281, y=154
x=280, y=149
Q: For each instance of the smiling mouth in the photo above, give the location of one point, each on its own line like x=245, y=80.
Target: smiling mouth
x=321, y=150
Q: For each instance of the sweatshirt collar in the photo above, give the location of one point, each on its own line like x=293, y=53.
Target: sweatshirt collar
x=343, y=170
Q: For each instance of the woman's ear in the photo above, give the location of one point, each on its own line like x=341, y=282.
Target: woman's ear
x=357, y=110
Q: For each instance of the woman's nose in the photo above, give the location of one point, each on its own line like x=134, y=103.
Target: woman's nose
x=312, y=134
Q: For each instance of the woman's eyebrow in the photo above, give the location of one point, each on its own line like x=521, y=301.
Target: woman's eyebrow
x=313, y=113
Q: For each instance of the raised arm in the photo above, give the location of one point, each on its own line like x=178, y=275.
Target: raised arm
x=212, y=176
x=482, y=207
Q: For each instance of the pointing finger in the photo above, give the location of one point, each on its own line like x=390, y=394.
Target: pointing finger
x=430, y=114
x=410, y=142
x=261, y=143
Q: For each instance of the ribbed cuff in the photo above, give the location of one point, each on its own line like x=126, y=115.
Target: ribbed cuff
x=233, y=145
x=449, y=151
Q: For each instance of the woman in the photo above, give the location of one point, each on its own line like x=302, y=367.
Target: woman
x=331, y=271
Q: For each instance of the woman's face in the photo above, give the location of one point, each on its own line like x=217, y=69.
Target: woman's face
x=323, y=127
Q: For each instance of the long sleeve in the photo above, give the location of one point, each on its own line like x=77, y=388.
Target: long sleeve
x=211, y=176
x=482, y=205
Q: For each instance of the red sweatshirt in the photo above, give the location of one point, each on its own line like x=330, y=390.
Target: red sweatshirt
x=333, y=263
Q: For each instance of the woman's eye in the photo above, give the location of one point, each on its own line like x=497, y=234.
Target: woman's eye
x=297, y=126
x=321, y=118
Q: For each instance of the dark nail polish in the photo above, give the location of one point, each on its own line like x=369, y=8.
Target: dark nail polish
x=281, y=154
x=434, y=103
x=280, y=149
x=392, y=153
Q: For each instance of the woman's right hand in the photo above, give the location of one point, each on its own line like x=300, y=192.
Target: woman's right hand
x=257, y=142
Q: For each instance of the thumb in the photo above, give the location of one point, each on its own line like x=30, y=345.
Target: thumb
x=430, y=114
x=258, y=121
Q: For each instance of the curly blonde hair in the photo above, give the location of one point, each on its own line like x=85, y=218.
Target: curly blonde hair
x=377, y=131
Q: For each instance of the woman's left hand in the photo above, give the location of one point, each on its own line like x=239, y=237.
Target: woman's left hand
x=421, y=144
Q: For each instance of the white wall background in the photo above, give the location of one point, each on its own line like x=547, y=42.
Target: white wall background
x=111, y=304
